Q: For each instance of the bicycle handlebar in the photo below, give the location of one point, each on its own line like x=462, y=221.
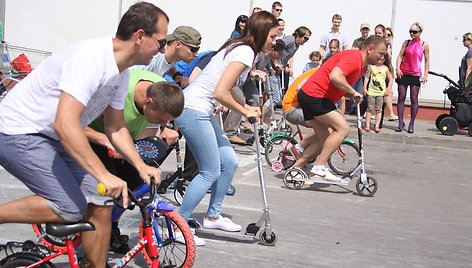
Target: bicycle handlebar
x=251, y=119
x=101, y=189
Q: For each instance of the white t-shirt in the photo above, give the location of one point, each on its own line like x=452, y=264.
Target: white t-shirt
x=199, y=94
x=327, y=37
x=158, y=65
x=86, y=70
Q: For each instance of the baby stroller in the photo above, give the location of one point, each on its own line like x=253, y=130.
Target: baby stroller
x=460, y=114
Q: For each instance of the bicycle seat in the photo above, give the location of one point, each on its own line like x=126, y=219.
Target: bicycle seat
x=62, y=230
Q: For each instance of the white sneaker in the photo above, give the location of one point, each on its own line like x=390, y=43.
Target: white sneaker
x=222, y=223
x=323, y=172
x=180, y=239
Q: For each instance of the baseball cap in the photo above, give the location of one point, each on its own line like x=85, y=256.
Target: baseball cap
x=365, y=25
x=187, y=35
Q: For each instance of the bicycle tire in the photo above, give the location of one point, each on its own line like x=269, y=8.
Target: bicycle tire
x=345, y=159
x=51, y=242
x=278, y=149
x=172, y=253
x=23, y=259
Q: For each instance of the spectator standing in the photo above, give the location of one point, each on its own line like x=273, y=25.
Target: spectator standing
x=333, y=34
x=277, y=9
x=298, y=38
x=389, y=99
x=358, y=42
x=465, y=77
x=375, y=88
x=409, y=74
x=315, y=61
x=239, y=26
x=43, y=119
x=215, y=156
x=281, y=33
x=324, y=88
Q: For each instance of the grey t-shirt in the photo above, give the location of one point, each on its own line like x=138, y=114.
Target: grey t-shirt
x=290, y=48
x=463, y=68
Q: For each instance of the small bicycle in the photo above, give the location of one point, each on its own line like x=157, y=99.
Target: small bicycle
x=170, y=250
x=296, y=177
x=156, y=239
x=279, y=157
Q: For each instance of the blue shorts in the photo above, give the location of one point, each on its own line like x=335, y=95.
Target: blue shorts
x=44, y=166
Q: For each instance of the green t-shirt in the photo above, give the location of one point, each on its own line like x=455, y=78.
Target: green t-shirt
x=1, y=31
x=135, y=121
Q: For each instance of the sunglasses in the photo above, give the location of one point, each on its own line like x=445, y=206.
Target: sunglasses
x=413, y=32
x=388, y=34
x=162, y=43
x=306, y=38
x=192, y=49
x=278, y=9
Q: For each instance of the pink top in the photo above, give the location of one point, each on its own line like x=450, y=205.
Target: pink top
x=412, y=58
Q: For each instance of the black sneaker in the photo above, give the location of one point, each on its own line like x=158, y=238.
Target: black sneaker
x=116, y=235
x=119, y=248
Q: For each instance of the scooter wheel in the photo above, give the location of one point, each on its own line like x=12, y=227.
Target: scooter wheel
x=231, y=190
x=295, y=178
x=277, y=166
x=368, y=188
x=267, y=239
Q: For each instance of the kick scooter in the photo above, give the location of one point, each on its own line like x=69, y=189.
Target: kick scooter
x=296, y=177
x=262, y=229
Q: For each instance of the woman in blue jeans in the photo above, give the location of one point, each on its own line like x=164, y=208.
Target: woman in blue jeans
x=215, y=156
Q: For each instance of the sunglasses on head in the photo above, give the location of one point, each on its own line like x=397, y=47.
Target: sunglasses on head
x=413, y=32
x=278, y=9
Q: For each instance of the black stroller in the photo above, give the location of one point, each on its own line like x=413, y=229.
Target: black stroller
x=460, y=114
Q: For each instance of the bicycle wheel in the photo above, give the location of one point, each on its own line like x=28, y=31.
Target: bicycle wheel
x=278, y=149
x=345, y=159
x=53, y=243
x=171, y=252
x=23, y=259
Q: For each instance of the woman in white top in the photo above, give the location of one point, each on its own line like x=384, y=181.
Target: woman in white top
x=215, y=156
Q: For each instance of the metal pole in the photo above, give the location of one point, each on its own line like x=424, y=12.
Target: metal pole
x=394, y=14
x=120, y=7
x=2, y=19
x=251, y=5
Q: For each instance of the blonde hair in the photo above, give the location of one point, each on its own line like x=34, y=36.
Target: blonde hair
x=467, y=36
x=416, y=26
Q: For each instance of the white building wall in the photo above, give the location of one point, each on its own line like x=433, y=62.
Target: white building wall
x=50, y=25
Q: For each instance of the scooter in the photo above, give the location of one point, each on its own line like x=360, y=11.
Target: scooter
x=262, y=229
x=296, y=177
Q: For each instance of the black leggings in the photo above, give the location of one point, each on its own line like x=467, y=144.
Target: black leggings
x=414, y=92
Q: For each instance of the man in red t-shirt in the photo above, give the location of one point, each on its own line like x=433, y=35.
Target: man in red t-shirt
x=323, y=89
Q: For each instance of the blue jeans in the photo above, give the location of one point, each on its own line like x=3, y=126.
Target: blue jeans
x=217, y=161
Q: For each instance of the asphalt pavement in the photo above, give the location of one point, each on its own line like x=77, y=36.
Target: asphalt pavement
x=420, y=215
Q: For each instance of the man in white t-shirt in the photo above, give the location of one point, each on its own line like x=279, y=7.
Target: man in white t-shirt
x=183, y=44
x=42, y=128
x=333, y=34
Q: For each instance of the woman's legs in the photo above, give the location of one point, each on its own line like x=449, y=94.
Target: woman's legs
x=200, y=135
x=401, y=105
x=414, y=92
x=229, y=163
x=389, y=106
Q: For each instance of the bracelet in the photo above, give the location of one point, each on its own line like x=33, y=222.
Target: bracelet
x=176, y=74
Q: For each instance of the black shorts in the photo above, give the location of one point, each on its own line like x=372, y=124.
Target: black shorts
x=313, y=107
x=409, y=80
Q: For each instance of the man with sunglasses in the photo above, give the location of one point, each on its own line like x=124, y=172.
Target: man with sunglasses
x=277, y=9
x=183, y=44
x=42, y=129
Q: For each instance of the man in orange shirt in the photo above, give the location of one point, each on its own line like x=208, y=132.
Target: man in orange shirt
x=294, y=114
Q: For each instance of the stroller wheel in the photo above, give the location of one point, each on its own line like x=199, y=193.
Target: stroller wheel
x=470, y=129
x=448, y=125
x=439, y=118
